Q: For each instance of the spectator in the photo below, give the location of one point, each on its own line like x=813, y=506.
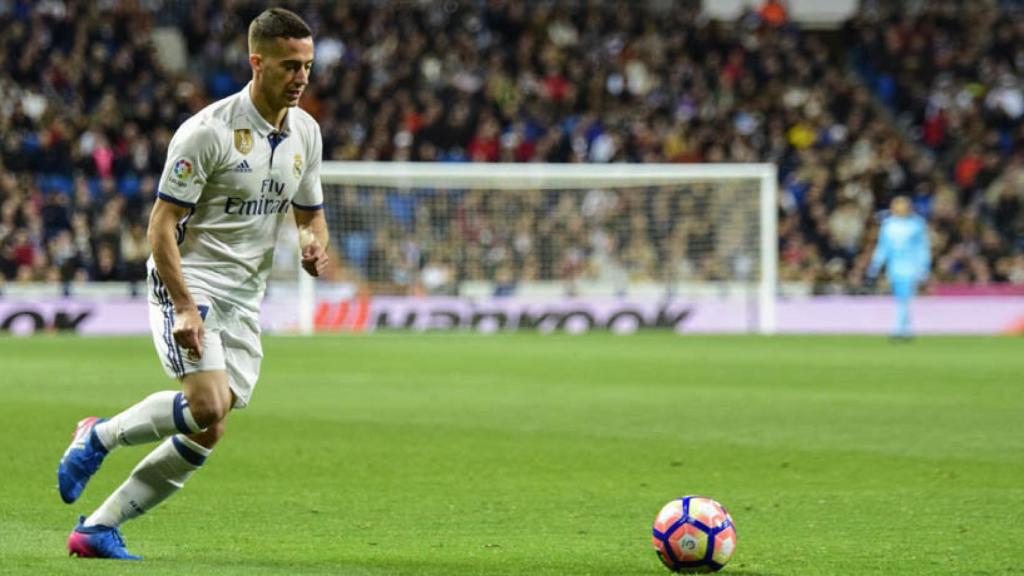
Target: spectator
x=87, y=113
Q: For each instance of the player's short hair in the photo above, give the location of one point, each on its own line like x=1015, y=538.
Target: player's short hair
x=276, y=23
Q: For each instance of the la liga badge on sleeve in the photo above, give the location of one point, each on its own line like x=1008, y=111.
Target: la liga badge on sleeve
x=182, y=170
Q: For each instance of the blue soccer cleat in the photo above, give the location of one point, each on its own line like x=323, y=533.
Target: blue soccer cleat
x=80, y=461
x=98, y=542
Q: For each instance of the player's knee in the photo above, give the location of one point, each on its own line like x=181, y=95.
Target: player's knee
x=211, y=435
x=208, y=408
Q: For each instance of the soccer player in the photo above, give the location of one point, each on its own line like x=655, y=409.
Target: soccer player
x=904, y=250
x=234, y=171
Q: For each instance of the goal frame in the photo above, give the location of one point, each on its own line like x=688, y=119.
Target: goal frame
x=517, y=176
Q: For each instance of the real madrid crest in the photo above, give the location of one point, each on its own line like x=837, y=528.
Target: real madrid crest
x=243, y=140
x=297, y=166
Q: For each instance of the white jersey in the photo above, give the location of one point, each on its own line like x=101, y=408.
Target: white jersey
x=240, y=177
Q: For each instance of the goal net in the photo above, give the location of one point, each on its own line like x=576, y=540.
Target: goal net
x=571, y=247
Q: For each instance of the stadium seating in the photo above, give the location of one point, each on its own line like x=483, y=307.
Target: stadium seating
x=952, y=76
x=87, y=110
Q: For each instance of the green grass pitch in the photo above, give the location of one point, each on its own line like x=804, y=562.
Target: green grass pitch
x=533, y=455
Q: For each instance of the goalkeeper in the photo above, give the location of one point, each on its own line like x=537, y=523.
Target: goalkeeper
x=904, y=251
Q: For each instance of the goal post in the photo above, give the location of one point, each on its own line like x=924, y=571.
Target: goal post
x=548, y=231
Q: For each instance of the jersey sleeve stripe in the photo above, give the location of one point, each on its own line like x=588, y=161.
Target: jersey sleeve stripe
x=309, y=208
x=173, y=200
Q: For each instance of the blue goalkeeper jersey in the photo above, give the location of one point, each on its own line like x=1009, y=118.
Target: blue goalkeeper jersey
x=903, y=248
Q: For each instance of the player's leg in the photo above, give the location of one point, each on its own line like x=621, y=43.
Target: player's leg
x=166, y=469
x=159, y=415
x=211, y=395
x=164, y=413
x=204, y=400
x=903, y=290
x=161, y=473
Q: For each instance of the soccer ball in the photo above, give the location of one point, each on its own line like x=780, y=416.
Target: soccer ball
x=694, y=534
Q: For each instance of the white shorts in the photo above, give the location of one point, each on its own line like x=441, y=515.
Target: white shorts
x=231, y=340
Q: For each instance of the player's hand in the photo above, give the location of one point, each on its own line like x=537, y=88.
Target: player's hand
x=314, y=259
x=188, y=331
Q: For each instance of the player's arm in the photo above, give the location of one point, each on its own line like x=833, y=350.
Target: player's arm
x=313, y=239
x=163, y=239
x=192, y=155
x=308, y=207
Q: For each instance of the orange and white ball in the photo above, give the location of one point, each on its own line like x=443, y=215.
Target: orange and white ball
x=694, y=534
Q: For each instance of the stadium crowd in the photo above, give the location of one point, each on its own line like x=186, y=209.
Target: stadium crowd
x=87, y=108
x=953, y=72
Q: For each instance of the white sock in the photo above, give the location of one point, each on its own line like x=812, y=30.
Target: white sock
x=160, y=474
x=158, y=416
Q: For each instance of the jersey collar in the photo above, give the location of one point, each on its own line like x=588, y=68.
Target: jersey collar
x=259, y=123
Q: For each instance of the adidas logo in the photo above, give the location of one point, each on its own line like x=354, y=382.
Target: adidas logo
x=243, y=166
